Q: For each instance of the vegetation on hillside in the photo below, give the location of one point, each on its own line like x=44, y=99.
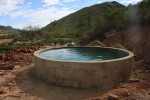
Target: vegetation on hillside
x=85, y=25
x=93, y=22
x=83, y=22
x=21, y=38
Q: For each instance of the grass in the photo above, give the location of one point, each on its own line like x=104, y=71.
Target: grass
x=5, y=40
x=27, y=42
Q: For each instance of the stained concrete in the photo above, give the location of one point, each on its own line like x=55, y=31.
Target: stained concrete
x=101, y=74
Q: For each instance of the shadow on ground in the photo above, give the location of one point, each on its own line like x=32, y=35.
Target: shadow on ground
x=32, y=85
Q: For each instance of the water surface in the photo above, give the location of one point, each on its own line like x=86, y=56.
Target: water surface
x=83, y=54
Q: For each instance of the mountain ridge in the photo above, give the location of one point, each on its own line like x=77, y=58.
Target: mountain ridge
x=82, y=20
x=6, y=27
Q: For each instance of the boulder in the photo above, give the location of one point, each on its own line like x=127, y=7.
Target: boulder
x=96, y=43
x=113, y=97
x=118, y=46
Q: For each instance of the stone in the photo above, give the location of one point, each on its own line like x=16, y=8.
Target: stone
x=27, y=94
x=3, y=90
x=2, y=72
x=95, y=99
x=7, y=67
x=10, y=83
x=17, y=66
x=148, y=71
x=97, y=43
x=149, y=93
x=119, y=46
x=113, y=97
x=133, y=80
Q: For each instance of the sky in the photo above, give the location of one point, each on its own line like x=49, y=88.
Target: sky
x=22, y=13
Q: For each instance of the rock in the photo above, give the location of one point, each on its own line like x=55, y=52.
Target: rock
x=95, y=99
x=118, y=46
x=148, y=71
x=3, y=90
x=2, y=72
x=149, y=93
x=27, y=94
x=113, y=97
x=9, y=97
x=21, y=92
x=17, y=66
x=125, y=94
x=10, y=83
x=6, y=67
x=133, y=80
x=96, y=43
x=110, y=33
x=138, y=96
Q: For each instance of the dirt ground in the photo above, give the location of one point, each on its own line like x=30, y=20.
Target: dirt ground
x=20, y=83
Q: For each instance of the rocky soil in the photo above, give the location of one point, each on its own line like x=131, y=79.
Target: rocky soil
x=18, y=82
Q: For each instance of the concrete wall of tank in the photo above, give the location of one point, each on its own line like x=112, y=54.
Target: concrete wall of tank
x=84, y=74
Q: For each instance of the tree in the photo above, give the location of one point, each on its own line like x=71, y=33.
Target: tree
x=31, y=33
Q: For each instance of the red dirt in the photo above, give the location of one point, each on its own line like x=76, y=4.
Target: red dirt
x=20, y=82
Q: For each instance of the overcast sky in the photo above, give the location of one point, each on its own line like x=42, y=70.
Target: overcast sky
x=20, y=13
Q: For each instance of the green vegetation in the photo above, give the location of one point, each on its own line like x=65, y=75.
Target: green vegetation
x=29, y=33
x=85, y=22
x=21, y=38
x=93, y=22
x=85, y=25
x=144, y=12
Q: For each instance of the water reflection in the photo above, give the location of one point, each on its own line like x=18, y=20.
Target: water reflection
x=83, y=54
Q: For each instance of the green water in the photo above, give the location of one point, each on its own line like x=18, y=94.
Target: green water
x=84, y=54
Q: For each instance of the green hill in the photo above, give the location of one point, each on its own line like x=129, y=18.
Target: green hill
x=83, y=21
x=93, y=22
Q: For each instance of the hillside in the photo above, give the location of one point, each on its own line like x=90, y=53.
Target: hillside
x=7, y=29
x=136, y=36
x=93, y=22
x=82, y=21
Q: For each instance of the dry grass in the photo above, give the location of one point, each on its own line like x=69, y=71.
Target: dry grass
x=5, y=40
x=3, y=34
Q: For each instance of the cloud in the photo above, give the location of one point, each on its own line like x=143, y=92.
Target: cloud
x=20, y=13
x=41, y=16
x=51, y=2
x=125, y=2
x=68, y=0
x=130, y=1
x=45, y=16
x=7, y=6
